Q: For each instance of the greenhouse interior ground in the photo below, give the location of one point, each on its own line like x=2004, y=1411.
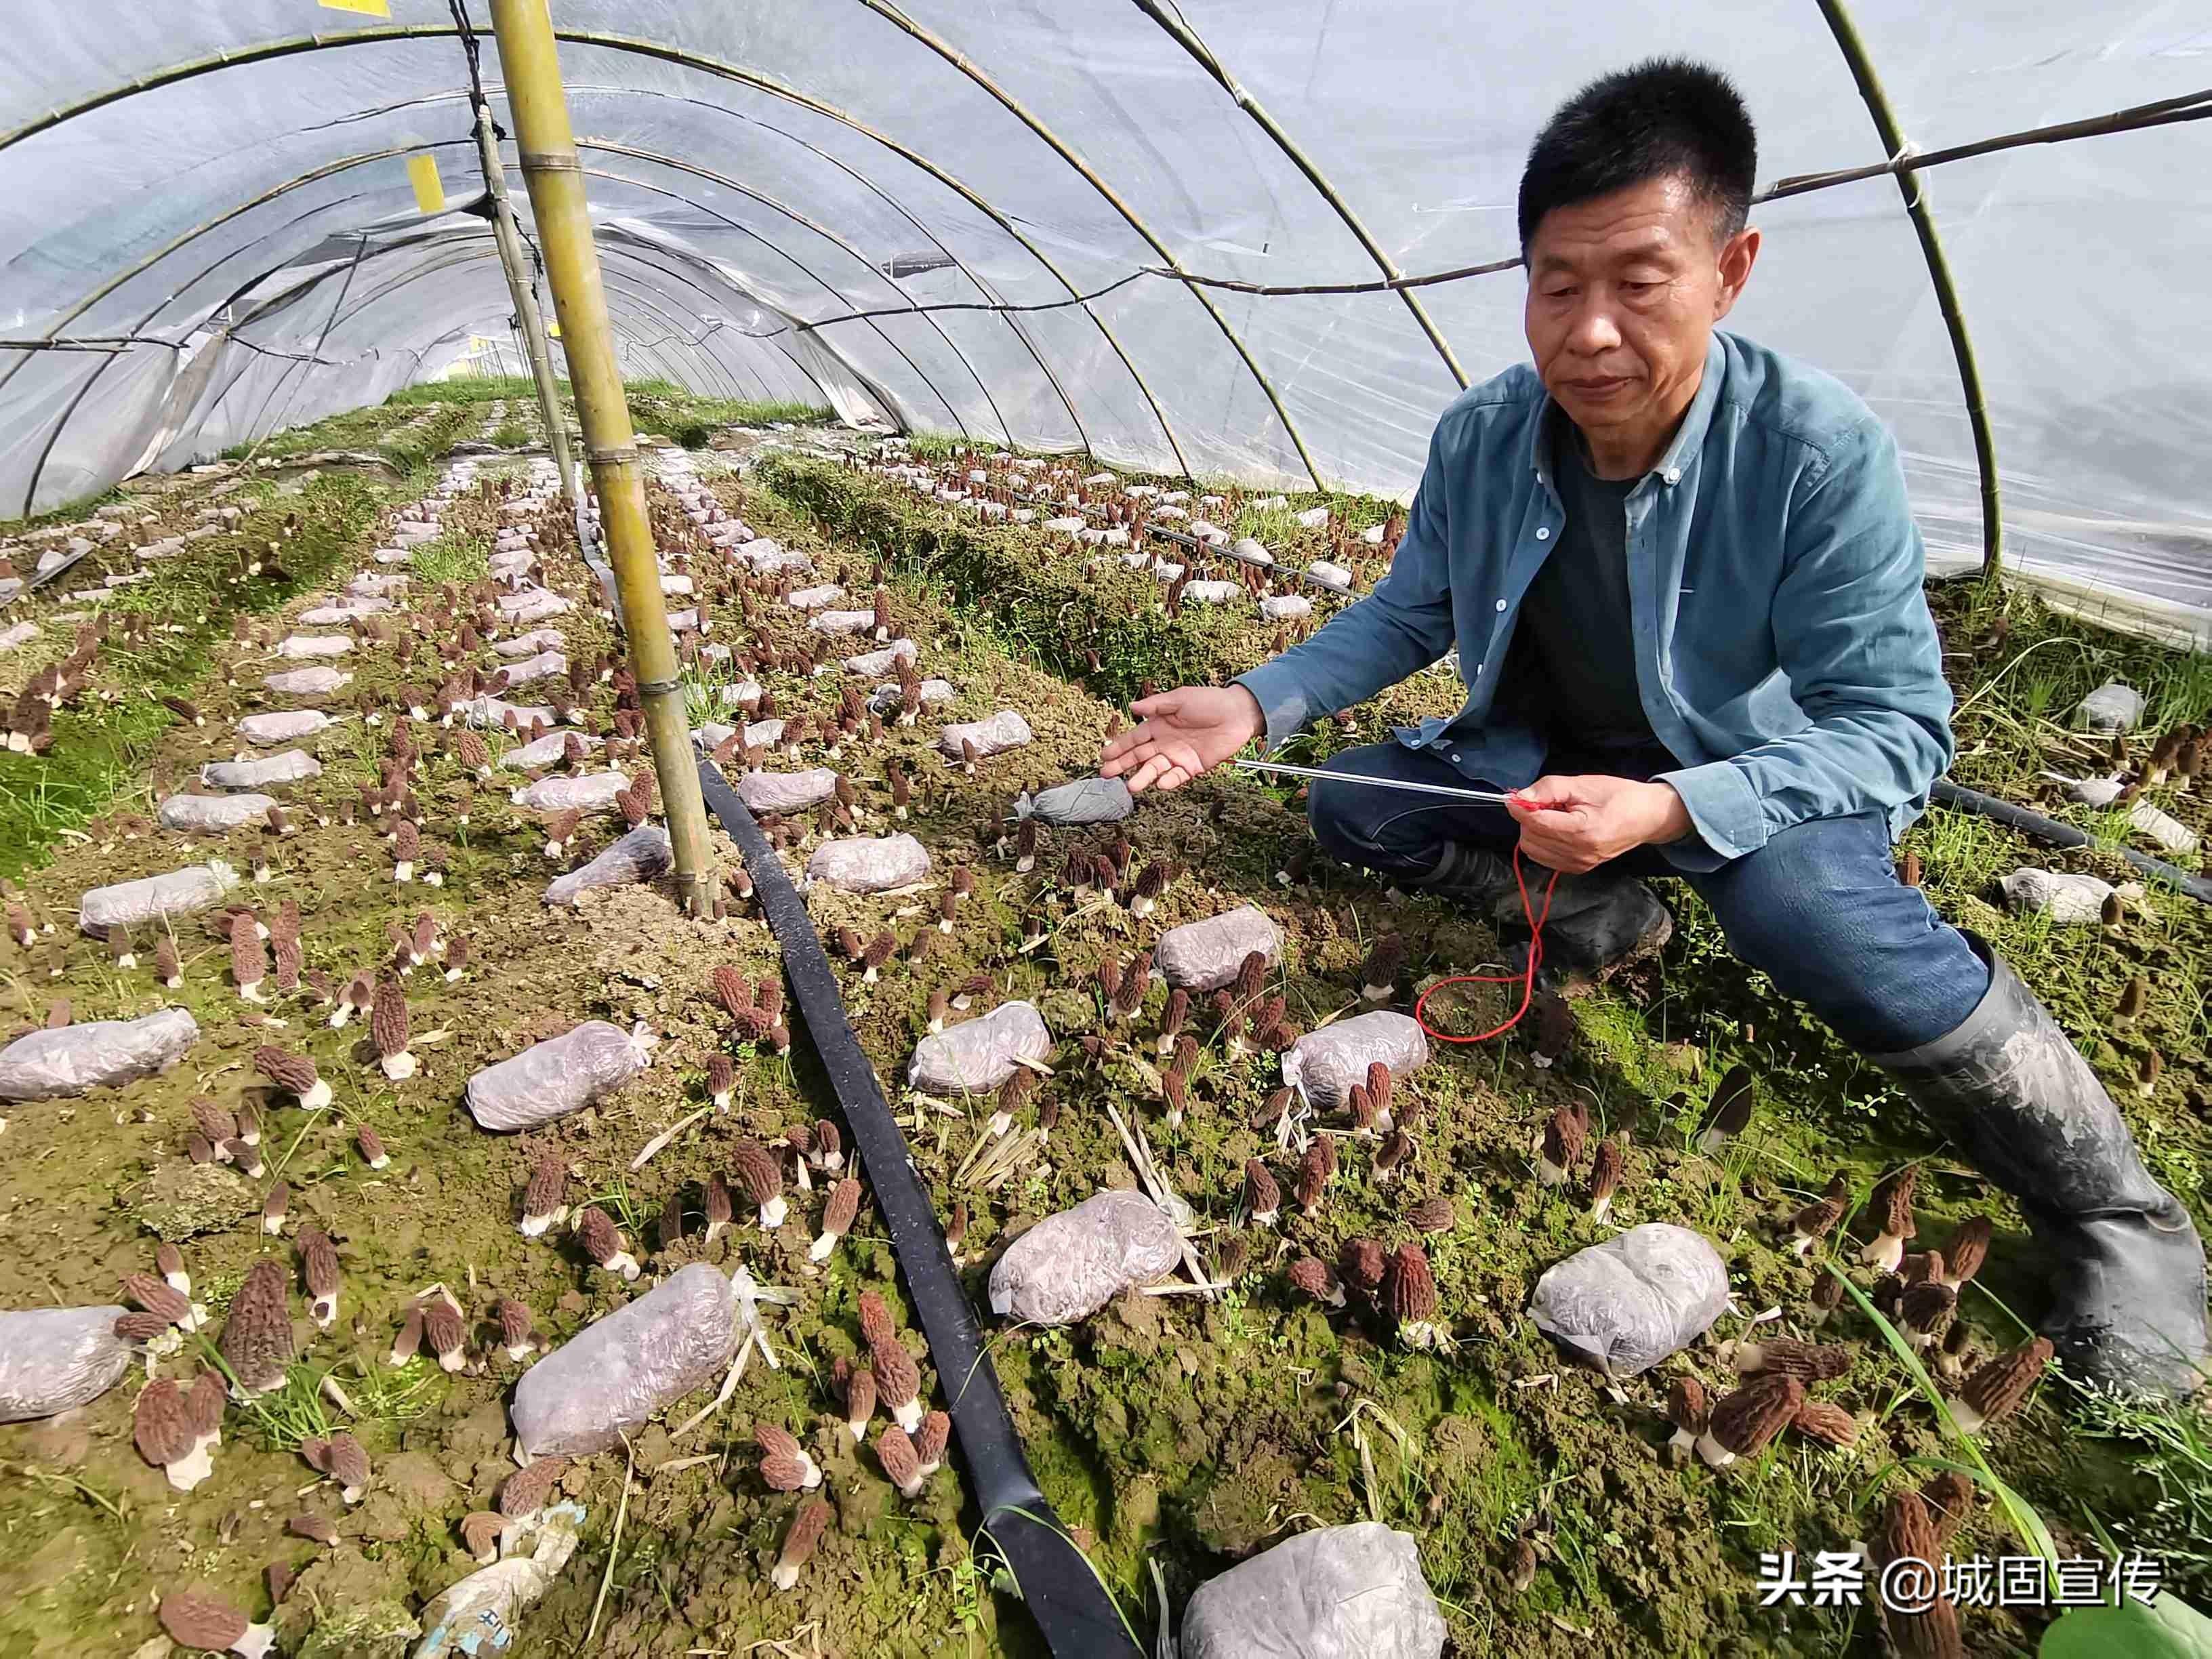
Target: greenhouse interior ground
x=425, y=1233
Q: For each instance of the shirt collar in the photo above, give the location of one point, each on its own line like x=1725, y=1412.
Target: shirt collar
x=1697, y=420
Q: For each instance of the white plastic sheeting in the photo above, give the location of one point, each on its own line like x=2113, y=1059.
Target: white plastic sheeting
x=231, y=179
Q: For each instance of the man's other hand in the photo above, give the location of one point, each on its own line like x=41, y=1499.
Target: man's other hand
x=1585, y=821
x=1180, y=734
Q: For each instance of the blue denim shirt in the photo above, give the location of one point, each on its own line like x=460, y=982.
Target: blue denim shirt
x=1784, y=652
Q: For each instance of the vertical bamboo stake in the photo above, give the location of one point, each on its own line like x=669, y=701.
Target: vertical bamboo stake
x=1913, y=187
x=539, y=355
x=530, y=64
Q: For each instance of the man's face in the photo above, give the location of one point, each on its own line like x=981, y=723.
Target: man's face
x=1623, y=294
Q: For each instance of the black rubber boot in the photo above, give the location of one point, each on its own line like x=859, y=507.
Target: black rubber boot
x=2128, y=1272
x=1595, y=924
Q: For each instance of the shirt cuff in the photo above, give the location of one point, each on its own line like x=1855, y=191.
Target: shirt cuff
x=1724, y=807
x=1282, y=701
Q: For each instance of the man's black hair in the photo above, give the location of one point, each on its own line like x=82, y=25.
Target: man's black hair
x=1664, y=117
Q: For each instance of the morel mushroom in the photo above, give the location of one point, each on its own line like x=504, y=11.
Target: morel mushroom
x=1433, y=1214
x=1315, y=1165
x=1950, y=1500
x=347, y=1464
x=1892, y=1204
x=603, y=1243
x=1930, y=1632
x=1152, y=882
x=527, y=1490
x=785, y=1464
x=1688, y=1410
x=1562, y=1151
x=1730, y=1111
x=544, y=1199
x=721, y=1081
x=1999, y=1387
x=273, y=1208
x=1818, y=1219
x=256, y=1337
x=1386, y=960
x=406, y=847
x=1923, y=1310
x=1409, y=1296
x=371, y=1144
x=315, y=1530
x=517, y=1328
x=898, y=1379
x=761, y=1174
x=1318, y=1281
x=356, y=1000
x=167, y=968
x=409, y=1341
x=249, y=957
x=1606, y=1170
x=294, y=1071
x=837, y=1216
x=159, y=1297
x=827, y=1151
x=162, y=1429
x=1826, y=1422
x=807, y=1528
x=445, y=1332
x=387, y=1030
x=930, y=1442
x=480, y=1532
x=1785, y=1356
x=1743, y=1423
x=318, y=1267
x=1968, y=1249
x=169, y=1263
x=901, y=1465
x=1263, y=1198
x=205, y=1623
x=1362, y=1264
x=859, y=1401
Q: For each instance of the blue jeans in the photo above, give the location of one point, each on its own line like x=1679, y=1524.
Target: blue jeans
x=1819, y=908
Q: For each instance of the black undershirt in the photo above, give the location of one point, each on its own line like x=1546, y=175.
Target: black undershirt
x=1571, y=667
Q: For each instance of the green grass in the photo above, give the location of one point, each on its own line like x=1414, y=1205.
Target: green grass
x=454, y=556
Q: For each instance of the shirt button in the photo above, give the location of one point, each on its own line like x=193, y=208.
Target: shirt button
x=1455, y=759
x=1501, y=604
x=1480, y=667
x=1673, y=475
x=1543, y=532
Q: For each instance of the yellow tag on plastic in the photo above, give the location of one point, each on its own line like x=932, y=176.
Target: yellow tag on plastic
x=552, y=328
x=366, y=8
x=422, y=174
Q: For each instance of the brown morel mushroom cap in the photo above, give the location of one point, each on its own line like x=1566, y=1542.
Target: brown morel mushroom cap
x=544, y=1197
x=1950, y=1499
x=1743, y=1423
x=784, y=1464
x=215, y=1121
x=860, y=1401
x=1924, y=1308
x=1826, y=1422
x=1386, y=959
x=481, y=1531
x=345, y=1462
x=1432, y=1215
x=807, y=1526
x=314, y=1528
x=901, y=1464
x=602, y=1239
x=1563, y=1147
x=930, y=1440
x=387, y=1030
x=1262, y=1197
x=1731, y=1109
x=446, y=1331
x=256, y=1337
x=161, y=1426
x=1606, y=1168
x=1316, y=1279
x=761, y=1174
x=516, y=1322
x=294, y=1071
x=200, y=1620
x=1687, y=1409
x=526, y=1491
x=1784, y=1356
x=1313, y=1173
x=142, y=1326
x=319, y=1269
x=1999, y=1387
x=1409, y=1290
x=1968, y=1249
x=158, y=1296
x=1818, y=1219
x=1892, y=1207
x=371, y=1147
x=1361, y=1263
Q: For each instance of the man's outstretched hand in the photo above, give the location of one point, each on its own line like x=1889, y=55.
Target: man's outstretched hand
x=1584, y=821
x=1180, y=734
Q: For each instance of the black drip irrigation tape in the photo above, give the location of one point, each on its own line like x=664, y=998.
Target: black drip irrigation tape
x=1060, y=1588
x=2066, y=834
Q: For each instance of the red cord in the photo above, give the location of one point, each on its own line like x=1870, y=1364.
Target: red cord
x=1526, y=978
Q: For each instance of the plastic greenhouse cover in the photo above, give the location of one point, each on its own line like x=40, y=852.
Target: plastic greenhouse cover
x=228, y=184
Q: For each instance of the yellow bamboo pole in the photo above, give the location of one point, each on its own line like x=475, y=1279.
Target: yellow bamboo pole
x=538, y=350
x=531, y=66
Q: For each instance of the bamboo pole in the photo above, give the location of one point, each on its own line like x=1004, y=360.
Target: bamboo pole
x=508, y=236
x=1913, y=188
x=531, y=66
